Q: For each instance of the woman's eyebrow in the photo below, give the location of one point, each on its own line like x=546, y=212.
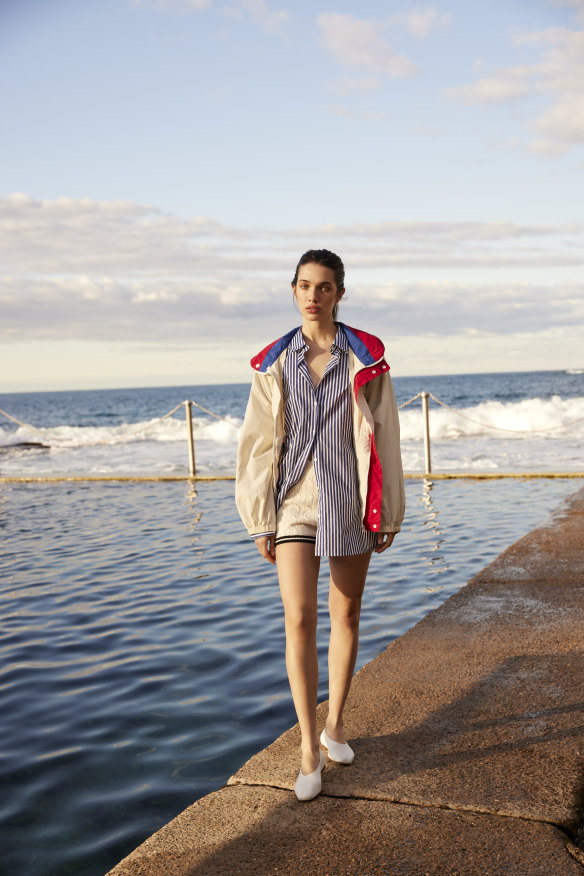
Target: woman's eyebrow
x=324, y=283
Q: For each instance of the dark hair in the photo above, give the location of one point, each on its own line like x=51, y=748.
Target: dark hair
x=329, y=260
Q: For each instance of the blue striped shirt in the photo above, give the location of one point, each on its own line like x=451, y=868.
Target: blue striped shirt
x=319, y=421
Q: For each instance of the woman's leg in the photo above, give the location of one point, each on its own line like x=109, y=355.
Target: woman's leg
x=346, y=589
x=298, y=575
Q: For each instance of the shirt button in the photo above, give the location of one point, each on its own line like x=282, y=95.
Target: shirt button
x=374, y=371
x=375, y=510
x=375, y=526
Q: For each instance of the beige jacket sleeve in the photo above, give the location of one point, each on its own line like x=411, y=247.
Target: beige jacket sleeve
x=254, y=484
x=382, y=404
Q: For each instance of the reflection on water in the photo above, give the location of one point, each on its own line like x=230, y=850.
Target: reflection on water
x=191, y=494
x=438, y=562
x=142, y=646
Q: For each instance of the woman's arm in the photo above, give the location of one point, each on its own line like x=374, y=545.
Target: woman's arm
x=254, y=487
x=381, y=400
x=384, y=540
x=266, y=545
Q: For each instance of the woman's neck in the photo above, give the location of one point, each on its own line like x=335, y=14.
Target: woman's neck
x=320, y=335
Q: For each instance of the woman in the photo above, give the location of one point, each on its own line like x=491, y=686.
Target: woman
x=319, y=474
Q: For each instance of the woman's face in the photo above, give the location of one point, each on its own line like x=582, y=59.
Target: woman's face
x=316, y=292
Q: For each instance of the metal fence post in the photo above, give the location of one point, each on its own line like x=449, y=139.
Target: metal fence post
x=427, y=462
x=189, y=419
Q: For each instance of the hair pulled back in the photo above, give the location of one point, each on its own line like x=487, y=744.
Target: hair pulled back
x=329, y=260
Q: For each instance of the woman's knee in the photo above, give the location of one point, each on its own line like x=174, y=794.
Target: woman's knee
x=345, y=612
x=300, y=620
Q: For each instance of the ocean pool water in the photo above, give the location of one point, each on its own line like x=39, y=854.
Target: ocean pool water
x=142, y=645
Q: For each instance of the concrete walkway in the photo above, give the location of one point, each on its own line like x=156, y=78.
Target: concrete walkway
x=469, y=741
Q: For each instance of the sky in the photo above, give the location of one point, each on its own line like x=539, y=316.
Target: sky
x=164, y=163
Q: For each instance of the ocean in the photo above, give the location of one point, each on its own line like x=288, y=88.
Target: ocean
x=111, y=432
x=142, y=637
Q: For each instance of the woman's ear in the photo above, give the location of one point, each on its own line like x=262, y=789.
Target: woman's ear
x=340, y=293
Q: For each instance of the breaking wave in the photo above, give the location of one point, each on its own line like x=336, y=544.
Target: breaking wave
x=521, y=419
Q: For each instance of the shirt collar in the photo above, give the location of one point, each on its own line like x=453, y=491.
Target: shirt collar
x=298, y=343
x=340, y=342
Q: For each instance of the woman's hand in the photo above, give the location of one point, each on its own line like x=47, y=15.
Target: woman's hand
x=266, y=545
x=384, y=540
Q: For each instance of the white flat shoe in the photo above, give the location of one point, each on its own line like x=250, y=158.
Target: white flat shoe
x=308, y=787
x=340, y=752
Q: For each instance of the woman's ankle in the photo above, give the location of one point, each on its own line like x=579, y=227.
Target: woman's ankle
x=310, y=747
x=334, y=729
x=309, y=759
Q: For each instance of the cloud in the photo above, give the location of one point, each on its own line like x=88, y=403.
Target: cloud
x=438, y=235
x=185, y=313
x=436, y=308
x=578, y=5
x=269, y=21
x=421, y=22
x=122, y=272
x=507, y=86
x=68, y=237
x=119, y=309
x=557, y=78
x=359, y=43
x=562, y=126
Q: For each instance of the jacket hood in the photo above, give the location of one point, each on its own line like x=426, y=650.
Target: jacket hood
x=367, y=348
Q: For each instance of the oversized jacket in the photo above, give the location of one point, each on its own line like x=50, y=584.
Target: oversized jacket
x=375, y=433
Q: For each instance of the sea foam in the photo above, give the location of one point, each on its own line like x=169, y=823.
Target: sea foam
x=523, y=418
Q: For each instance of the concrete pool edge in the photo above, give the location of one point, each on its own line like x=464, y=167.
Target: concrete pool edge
x=468, y=740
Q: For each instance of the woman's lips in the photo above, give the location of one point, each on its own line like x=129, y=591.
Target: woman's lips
x=313, y=309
